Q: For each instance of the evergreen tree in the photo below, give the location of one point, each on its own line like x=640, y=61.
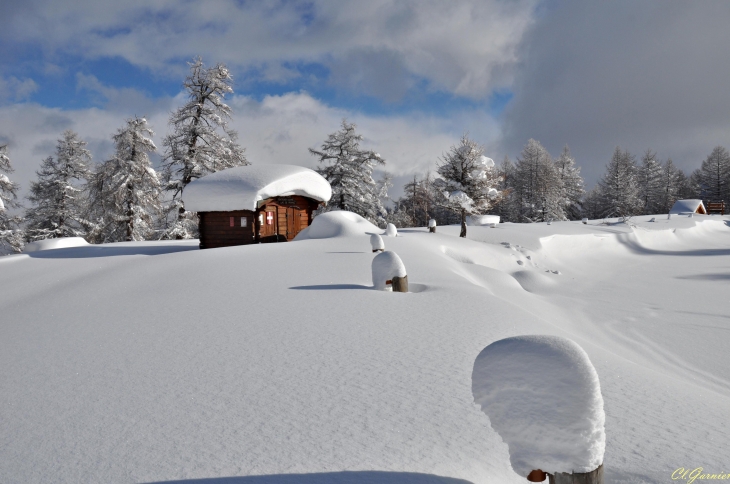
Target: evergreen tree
x=714, y=176
x=571, y=184
x=619, y=187
x=592, y=204
x=125, y=190
x=651, y=184
x=537, y=185
x=670, y=186
x=11, y=236
x=418, y=201
x=201, y=142
x=507, y=206
x=349, y=170
x=468, y=180
x=57, y=197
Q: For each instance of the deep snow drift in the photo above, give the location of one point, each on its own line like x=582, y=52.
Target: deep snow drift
x=152, y=362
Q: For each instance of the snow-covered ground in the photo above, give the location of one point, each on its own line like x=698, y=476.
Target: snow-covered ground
x=156, y=362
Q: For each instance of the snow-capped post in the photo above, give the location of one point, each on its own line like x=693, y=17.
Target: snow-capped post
x=391, y=231
x=389, y=273
x=543, y=397
x=376, y=242
x=432, y=226
x=585, y=221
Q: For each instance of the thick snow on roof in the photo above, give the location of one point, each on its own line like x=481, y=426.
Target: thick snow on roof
x=687, y=206
x=338, y=223
x=240, y=188
x=543, y=398
x=59, y=243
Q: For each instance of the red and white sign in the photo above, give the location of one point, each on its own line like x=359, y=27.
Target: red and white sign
x=269, y=218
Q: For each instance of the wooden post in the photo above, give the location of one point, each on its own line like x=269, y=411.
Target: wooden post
x=400, y=284
x=432, y=230
x=378, y=250
x=593, y=477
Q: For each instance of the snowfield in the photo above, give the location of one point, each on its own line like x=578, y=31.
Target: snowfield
x=279, y=363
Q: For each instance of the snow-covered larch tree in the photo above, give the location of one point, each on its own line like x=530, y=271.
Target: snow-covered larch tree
x=650, y=183
x=619, y=186
x=349, y=170
x=201, y=142
x=468, y=180
x=125, y=190
x=714, y=176
x=571, y=182
x=11, y=236
x=57, y=196
x=537, y=186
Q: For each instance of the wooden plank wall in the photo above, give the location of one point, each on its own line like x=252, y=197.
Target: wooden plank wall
x=216, y=231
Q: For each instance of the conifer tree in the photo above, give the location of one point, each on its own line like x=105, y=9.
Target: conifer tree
x=714, y=176
x=125, y=190
x=468, y=180
x=619, y=187
x=571, y=184
x=650, y=183
x=537, y=185
x=201, y=142
x=11, y=236
x=349, y=170
x=57, y=196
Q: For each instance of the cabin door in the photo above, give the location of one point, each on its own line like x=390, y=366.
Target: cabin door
x=292, y=225
x=268, y=222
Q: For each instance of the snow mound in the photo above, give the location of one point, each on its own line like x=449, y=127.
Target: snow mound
x=386, y=266
x=391, y=231
x=543, y=397
x=376, y=242
x=59, y=243
x=240, y=188
x=477, y=220
x=338, y=223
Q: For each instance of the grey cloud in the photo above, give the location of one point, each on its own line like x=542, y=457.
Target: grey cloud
x=380, y=73
x=649, y=74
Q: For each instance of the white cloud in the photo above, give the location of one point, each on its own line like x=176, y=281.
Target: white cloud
x=277, y=129
x=14, y=89
x=467, y=48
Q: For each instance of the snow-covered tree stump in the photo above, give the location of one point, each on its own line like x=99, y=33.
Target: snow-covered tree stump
x=432, y=226
x=543, y=397
x=389, y=273
x=376, y=242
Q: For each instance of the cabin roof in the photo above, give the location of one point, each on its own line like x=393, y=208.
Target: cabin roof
x=688, y=206
x=242, y=187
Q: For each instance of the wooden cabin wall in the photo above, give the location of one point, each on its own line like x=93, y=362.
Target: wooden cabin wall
x=216, y=231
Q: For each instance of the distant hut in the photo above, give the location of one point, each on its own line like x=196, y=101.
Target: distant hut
x=687, y=207
x=252, y=204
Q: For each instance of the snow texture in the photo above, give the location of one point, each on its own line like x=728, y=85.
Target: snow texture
x=386, y=265
x=376, y=242
x=542, y=396
x=477, y=220
x=391, y=231
x=339, y=223
x=59, y=243
x=241, y=187
x=686, y=206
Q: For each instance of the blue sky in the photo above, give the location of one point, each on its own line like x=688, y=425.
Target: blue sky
x=413, y=75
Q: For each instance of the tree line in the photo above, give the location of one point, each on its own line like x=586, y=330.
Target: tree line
x=125, y=198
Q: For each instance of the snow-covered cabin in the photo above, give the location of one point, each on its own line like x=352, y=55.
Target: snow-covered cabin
x=258, y=203
x=688, y=206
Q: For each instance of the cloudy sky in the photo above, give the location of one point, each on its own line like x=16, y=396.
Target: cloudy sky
x=412, y=74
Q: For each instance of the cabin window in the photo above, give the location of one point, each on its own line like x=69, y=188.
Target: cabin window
x=244, y=222
x=232, y=223
x=269, y=218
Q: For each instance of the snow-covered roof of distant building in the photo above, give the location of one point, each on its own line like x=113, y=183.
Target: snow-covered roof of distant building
x=242, y=187
x=688, y=206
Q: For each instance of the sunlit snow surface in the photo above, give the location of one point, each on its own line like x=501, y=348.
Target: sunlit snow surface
x=154, y=362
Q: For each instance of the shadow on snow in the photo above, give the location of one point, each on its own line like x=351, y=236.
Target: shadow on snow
x=346, y=477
